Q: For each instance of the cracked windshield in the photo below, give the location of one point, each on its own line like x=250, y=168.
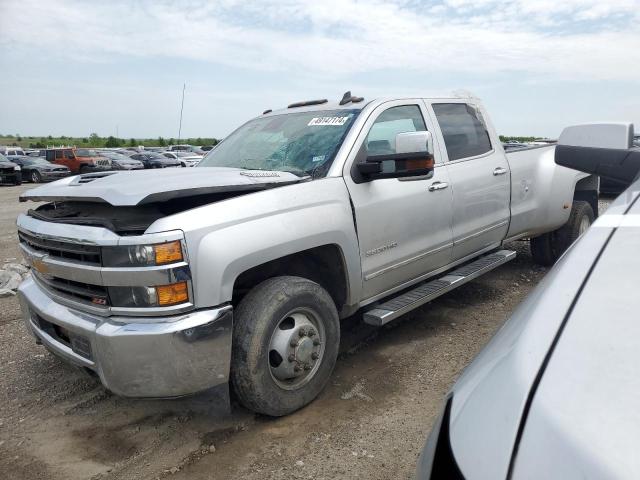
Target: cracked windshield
x=301, y=143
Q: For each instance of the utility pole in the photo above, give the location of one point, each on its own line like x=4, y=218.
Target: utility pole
x=184, y=86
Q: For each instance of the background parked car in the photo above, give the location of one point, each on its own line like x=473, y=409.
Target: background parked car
x=9, y=171
x=155, y=160
x=6, y=151
x=187, y=148
x=186, y=159
x=81, y=160
x=37, y=169
x=119, y=161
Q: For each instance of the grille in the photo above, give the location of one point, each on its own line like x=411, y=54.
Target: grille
x=95, y=295
x=7, y=171
x=103, y=162
x=62, y=250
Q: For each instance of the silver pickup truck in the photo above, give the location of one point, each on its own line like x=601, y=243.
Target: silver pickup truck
x=169, y=282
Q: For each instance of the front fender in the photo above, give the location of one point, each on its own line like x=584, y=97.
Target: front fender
x=227, y=238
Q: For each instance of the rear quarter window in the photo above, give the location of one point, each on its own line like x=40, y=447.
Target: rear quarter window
x=463, y=128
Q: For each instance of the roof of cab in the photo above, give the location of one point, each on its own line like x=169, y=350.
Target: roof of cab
x=315, y=106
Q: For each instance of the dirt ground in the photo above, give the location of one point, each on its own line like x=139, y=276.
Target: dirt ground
x=371, y=421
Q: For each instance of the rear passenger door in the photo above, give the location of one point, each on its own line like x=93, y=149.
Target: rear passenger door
x=479, y=175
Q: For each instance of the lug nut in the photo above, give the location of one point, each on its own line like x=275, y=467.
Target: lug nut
x=307, y=367
x=297, y=369
x=316, y=342
x=302, y=332
x=292, y=357
x=315, y=355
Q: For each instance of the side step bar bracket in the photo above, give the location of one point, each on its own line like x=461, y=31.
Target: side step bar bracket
x=425, y=292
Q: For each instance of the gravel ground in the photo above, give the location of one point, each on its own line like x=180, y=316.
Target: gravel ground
x=371, y=422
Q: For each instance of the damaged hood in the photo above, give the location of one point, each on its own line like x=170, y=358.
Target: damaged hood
x=158, y=185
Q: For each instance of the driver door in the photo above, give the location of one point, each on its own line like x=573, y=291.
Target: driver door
x=403, y=224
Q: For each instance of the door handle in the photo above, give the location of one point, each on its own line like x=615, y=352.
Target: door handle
x=438, y=186
x=499, y=171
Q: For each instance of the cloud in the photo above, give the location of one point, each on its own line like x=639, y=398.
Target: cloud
x=572, y=39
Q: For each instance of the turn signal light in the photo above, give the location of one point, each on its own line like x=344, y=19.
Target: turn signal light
x=421, y=164
x=172, y=294
x=168, y=252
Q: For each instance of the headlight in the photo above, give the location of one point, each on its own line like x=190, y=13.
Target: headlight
x=145, y=297
x=17, y=168
x=142, y=255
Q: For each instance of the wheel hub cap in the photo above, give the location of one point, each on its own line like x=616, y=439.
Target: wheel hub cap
x=296, y=349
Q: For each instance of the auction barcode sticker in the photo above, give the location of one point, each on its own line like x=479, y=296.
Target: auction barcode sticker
x=327, y=121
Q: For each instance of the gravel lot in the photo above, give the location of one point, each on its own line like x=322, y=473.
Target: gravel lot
x=371, y=422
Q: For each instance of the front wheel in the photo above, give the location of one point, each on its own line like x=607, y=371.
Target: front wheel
x=285, y=343
x=36, y=177
x=547, y=248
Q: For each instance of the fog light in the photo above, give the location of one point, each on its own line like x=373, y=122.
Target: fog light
x=144, y=296
x=172, y=294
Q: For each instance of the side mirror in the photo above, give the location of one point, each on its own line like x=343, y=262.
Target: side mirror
x=414, y=142
x=413, y=157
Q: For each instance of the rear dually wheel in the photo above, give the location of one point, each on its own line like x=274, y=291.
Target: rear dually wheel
x=547, y=248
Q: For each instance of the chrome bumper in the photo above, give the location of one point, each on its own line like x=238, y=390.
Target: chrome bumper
x=135, y=357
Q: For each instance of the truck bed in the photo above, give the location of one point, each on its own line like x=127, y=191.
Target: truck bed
x=541, y=191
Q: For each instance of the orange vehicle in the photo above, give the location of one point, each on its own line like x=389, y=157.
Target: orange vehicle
x=79, y=160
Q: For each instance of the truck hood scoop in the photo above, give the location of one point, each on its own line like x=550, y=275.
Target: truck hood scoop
x=152, y=186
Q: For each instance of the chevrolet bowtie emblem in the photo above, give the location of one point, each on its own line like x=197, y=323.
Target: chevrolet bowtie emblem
x=39, y=265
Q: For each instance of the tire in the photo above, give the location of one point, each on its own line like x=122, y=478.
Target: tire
x=84, y=169
x=35, y=177
x=183, y=165
x=542, y=250
x=547, y=248
x=275, y=313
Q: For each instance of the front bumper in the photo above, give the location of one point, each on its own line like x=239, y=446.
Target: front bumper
x=156, y=357
x=11, y=177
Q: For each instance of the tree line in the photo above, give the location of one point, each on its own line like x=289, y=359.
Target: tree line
x=95, y=140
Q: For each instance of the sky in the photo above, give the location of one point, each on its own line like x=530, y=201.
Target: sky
x=75, y=67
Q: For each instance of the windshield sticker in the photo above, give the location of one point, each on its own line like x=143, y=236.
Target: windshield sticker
x=327, y=121
x=319, y=158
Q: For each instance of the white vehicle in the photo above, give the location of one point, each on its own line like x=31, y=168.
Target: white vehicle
x=186, y=159
x=6, y=151
x=169, y=282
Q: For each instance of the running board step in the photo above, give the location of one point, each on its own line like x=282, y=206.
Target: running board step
x=397, y=306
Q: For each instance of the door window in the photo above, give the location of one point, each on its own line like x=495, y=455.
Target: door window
x=58, y=153
x=463, y=128
x=382, y=136
x=381, y=139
